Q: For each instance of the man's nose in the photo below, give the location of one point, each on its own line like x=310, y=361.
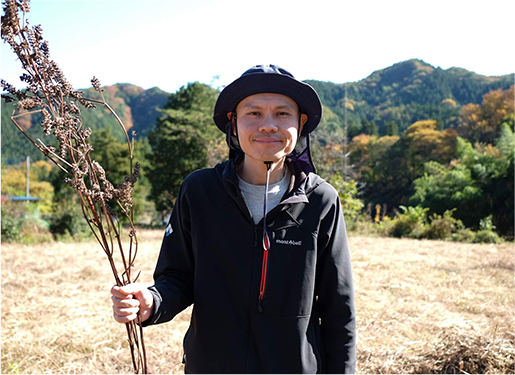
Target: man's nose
x=268, y=124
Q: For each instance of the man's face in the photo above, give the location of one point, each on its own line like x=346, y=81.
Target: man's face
x=268, y=126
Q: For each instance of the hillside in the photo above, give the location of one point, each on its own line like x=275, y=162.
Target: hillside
x=401, y=94
x=407, y=92
x=138, y=109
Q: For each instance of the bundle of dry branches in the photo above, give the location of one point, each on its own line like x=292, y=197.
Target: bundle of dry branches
x=50, y=94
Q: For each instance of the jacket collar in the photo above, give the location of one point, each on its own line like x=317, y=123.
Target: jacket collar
x=296, y=189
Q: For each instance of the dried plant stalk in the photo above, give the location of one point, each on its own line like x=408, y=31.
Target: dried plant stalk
x=49, y=93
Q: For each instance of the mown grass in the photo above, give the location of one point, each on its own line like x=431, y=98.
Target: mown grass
x=422, y=307
x=433, y=306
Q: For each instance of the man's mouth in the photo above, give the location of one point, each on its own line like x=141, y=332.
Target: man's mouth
x=267, y=140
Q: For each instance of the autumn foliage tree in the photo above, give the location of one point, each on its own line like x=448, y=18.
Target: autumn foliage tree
x=426, y=143
x=482, y=122
x=388, y=165
x=14, y=182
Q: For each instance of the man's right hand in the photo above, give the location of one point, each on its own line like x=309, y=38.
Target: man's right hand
x=128, y=300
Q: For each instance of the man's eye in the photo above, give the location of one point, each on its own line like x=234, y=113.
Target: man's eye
x=283, y=114
x=254, y=113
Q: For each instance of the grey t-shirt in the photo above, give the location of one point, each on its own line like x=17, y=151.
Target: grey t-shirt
x=255, y=195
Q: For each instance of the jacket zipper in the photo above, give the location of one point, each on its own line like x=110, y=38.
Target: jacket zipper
x=266, y=242
x=266, y=239
x=264, y=265
x=265, y=256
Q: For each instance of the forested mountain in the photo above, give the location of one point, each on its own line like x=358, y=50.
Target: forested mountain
x=407, y=92
x=384, y=103
x=138, y=109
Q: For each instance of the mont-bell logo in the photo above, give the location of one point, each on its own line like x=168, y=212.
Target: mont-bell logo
x=168, y=230
x=288, y=242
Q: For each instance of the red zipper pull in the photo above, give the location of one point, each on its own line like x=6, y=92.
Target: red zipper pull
x=266, y=242
x=262, y=286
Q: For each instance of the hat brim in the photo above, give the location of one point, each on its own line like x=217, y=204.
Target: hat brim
x=303, y=94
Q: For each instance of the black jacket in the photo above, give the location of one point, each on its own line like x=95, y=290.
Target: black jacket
x=211, y=256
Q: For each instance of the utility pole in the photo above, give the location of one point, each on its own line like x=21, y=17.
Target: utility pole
x=345, y=137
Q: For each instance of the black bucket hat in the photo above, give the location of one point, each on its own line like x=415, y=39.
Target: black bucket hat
x=270, y=79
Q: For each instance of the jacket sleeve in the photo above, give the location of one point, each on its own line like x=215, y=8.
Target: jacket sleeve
x=173, y=276
x=335, y=292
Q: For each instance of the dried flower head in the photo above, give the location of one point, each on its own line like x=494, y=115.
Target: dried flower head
x=123, y=193
x=24, y=6
x=135, y=174
x=47, y=123
x=96, y=84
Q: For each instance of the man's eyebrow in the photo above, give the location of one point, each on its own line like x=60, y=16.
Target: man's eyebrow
x=251, y=106
x=257, y=106
x=286, y=106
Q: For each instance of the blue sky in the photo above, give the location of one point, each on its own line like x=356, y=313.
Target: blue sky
x=168, y=43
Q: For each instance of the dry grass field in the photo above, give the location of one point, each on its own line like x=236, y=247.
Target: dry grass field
x=422, y=307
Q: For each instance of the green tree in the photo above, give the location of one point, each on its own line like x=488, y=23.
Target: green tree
x=478, y=183
x=369, y=127
x=182, y=141
x=347, y=190
x=113, y=156
x=442, y=188
x=391, y=128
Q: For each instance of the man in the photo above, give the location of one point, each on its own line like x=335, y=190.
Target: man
x=257, y=244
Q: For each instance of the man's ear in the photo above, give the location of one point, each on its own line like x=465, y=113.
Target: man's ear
x=232, y=117
x=303, y=120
